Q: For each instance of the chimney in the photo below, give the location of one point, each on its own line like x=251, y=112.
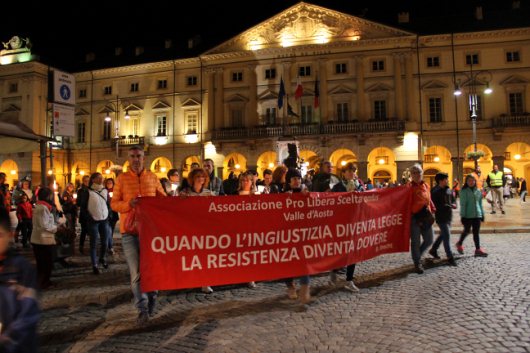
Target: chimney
x=478, y=13
x=403, y=17
x=138, y=51
x=168, y=44
x=90, y=57
x=516, y=5
x=118, y=51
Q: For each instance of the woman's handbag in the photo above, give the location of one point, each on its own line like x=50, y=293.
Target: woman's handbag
x=131, y=223
x=424, y=218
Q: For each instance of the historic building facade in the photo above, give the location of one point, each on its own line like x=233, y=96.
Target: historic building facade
x=355, y=91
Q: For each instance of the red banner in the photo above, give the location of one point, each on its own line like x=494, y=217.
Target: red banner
x=200, y=241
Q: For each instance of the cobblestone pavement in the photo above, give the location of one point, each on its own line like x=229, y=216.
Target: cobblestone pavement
x=480, y=306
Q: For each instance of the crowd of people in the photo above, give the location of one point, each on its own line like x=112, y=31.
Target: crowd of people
x=99, y=203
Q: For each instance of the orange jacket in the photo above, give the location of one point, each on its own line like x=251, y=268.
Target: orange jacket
x=421, y=196
x=130, y=185
x=480, y=181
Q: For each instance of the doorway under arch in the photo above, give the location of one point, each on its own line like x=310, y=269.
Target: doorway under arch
x=267, y=160
x=234, y=162
x=160, y=166
x=381, y=177
x=339, y=158
x=429, y=175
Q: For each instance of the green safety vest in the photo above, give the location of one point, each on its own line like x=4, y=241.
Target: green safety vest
x=495, y=179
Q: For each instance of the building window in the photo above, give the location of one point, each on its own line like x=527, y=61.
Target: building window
x=341, y=68
x=342, y=112
x=134, y=87
x=191, y=122
x=135, y=126
x=237, y=117
x=161, y=125
x=433, y=61
x=270, y=116
x=270, y=74
x=107, y=90
x=512, y=56
x=472, y=59
x=378, y=65
x=13, y=87
x=191, y=80
x=237, y=76
x=81, y=129
x=306, y=116
x=82, y=93
x=106, y=130
x=380, y=110
x=435, y=110
x=516, y=103
x=162, y=84
x=304, y=71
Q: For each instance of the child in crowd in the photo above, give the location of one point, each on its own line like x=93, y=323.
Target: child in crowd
x=24, y=215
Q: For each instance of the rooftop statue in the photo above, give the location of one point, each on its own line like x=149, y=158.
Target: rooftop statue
x=18, y=44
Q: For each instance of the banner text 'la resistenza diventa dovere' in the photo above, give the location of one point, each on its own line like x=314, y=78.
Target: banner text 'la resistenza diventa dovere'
x=198, y=241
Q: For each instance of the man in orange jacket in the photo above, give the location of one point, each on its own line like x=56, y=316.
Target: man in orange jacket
x=134, y=183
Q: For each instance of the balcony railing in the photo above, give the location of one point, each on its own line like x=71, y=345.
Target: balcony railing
x=127, y=141
x=354, y=127
x=511, y=120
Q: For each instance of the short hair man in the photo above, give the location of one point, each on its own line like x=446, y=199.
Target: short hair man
x=216, y=184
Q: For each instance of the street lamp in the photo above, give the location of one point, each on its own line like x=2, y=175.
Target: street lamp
x=117, y=123
x=472, y=77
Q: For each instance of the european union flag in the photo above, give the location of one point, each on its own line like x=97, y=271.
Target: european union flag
x=281, y=94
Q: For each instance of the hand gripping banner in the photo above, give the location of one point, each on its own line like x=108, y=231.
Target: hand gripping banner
x=199, y=241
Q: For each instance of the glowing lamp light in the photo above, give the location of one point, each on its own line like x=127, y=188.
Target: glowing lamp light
x=75, y=195
x=127, y=116
x=237, y=166
x=436, y=159
x=271, y=165
x=488, y=89
x=82, y=173
x=50, y=172
x=107, y=171
x=381, y=161
x=517, y=156
x=343, y=163
x=457, y=92
x=210, y=150
x=13, y=172
x=163, y=169
x=107, y=118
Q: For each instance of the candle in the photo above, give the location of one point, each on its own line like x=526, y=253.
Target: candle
x=174, y=187
x=111, y=193
x=75, y=195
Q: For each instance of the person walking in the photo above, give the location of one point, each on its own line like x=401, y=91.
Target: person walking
x=445, y=202
x=422, y=218
x=522, y=190
x=82, y=201
x=496, y=183
x=136, y=182
x=471, y=213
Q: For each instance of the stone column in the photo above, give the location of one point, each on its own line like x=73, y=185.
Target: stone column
x=498, y=160
x=252, y=107
x=458, y=168
x=210, y=90
x=398, y=86
x=409, y=84
x=219, y=99
x=323, y=89
x=359, y=72
x=362, y=170
x=401, y=167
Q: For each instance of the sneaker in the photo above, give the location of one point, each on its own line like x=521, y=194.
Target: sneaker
x=142, y=319
x=151, y=304
x=434, y=253
x=351, y=286
x=111, y=251
x=332, y=278
x=419, y=269
x=207, y=290
x=451, y=261
x=480, y=253
x=104, y=264
x=96, y=270
x=291, y=293
x=251, y=285
x=305, y=294
x=460, y=248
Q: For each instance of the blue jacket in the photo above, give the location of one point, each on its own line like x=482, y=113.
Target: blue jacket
x=471, y=203
x=19, y=310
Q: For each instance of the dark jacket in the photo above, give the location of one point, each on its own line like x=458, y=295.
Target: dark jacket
x=443, y=200
x=82, y=202
x=19, y=310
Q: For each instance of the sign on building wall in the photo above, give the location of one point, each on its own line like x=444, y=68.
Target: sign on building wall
x=63, y=87
x=63, y=120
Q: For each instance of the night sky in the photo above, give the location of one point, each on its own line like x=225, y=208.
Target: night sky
x=65, y=31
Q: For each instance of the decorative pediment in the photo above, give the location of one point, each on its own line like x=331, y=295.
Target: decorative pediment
x=133, y=108
x=514, y=80
x=434, y=84
x=341, y=89
x=378, y=87
x=11, y=108
x=81, y=112
x=237, y=98
x=267, y=95
x=304, y=24
x=160, y=106
x=190, y=102
x=108, y=108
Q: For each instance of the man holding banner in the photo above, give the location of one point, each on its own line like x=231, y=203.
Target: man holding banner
x=135, y=183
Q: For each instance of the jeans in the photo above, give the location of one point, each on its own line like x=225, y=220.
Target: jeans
x=350, y=269
x=26, y=227
x=101, y=229
x=417, y=249
x=445, y=233
x=131, y=250
x=523, y=196
x=468, y=223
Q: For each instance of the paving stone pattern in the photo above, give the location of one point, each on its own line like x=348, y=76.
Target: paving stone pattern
x=480, y=306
